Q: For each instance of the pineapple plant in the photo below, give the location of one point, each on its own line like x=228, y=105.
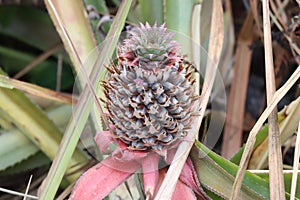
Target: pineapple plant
x=150, y=101
x=149, y=92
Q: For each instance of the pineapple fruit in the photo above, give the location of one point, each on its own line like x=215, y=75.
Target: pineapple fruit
x=149, y=92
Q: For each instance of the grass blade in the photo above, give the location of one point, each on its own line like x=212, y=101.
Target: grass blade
x=295, y=166
x=275, y=155
x=49, y=52
x=17, y=193
x=27, y=188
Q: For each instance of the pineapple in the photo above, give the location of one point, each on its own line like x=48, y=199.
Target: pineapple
x=149, y=93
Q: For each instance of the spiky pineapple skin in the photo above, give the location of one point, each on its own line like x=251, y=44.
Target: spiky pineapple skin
x=150, y=96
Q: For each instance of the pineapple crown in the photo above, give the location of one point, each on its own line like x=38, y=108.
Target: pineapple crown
x=152, y=48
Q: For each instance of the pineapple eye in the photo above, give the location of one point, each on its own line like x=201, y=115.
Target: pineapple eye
x=168, y=138
x=139, y=81
x=124, y=70
x=176, y=66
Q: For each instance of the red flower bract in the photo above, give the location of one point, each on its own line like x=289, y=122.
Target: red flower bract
x=104, y=177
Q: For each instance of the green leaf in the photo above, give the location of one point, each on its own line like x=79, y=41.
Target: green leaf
x=20, y=21
x=205, y=23
x=44, y=74
x=178, y=18
x=152, y=11
x=26, y=32
x=37, y=160
x=60, y=115
x=263, y=133
x=217, y=175
x=14, y=147
x=35, y=124
x=287, y=182
x=178, y=15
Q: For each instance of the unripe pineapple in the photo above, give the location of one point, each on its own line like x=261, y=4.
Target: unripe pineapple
x=149, y=93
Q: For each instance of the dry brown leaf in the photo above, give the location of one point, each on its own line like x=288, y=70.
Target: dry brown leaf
x=232, y=138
